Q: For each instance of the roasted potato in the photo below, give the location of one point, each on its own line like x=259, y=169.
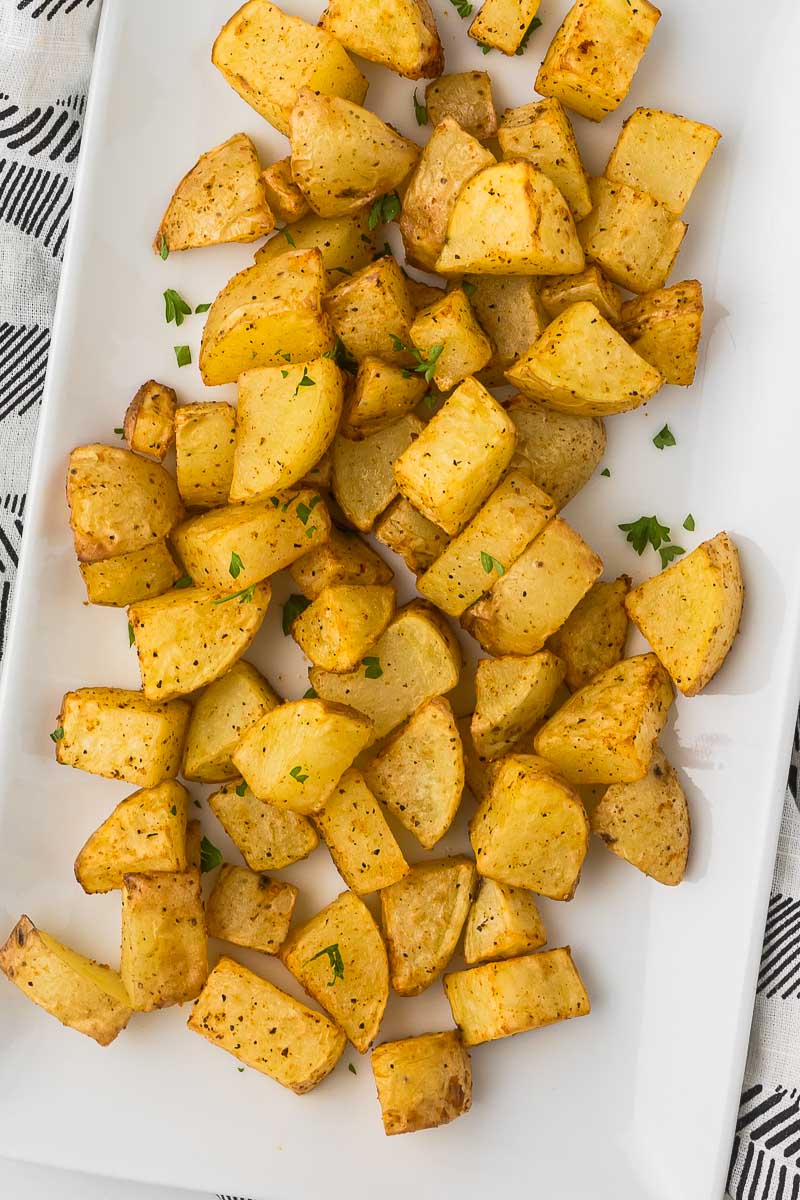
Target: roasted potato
x=346, y=243
x=268, y=57
x=221, y=199
x=205, y=436
x=250, y=909
x=373, y=311
x=633, y=238
x=562, y=291
x=321, y=474
x=478, y=771
x=145, y=832
x=403, y=38
x=542, y=134
x=423, y=294
x=360, y=841
x=449, y=338
x=269, y=837
x=381, y=395
x=690, y=613
x=503, y=24
x=405, y=531
x=164, y=954
x=343, y=623
x=560, y=451
x=118, y=502
x=340, y=959
x=77, y=991
x=265, y=1028
x=593, y=636
x=664, y=329
x=419, y=772
x=121, y=735
x=284, y=197
x=513, y=694
x=220, y=715
x=125, y=578
x=187, y=638
x=662, y=154
x=423, y=915
x=467, y=98
x=363, y=477
x=593, y=57
x=417, y=658
x=422, y=1081
x=498, y=999
x=503, y=922
x=508, y=308
x=606, y=732
x=344, y=558
x=149, y=424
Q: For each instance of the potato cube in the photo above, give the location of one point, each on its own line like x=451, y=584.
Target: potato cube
x=423, y=294
x=145, y=832
x=77, y=991
x=560, y=451
x=344, y=558
x=250, y=909
x=121, y=735
x=284, y=197
x=664, y=329
x=542, y=134
x=125, y=578
x=164, y=954
x=343, y=623
x=371, y=310
x=220, y=716
x=513, y=694
x=606, y=732
x=205, y=436
x=266, y=1028
x=450, y=340
x=268, y=837
x=321, y=474
x=503, y=922
x=346, y=243
x=593, y=636
x=422, y=1082
x=381, y=395
x=508, y=308
x=662, y=154
x=408, y=43
x=690, y=613
x=562, y=291
x=363, y=477
x=502, y=998
x=503, y=24
x=361, y=843
x=633, y=238
x=149, y=423
x=478, y=771
x=340, y=959
x=423, y=915
x=405, y=531
x=593, y=57
x=465, y=97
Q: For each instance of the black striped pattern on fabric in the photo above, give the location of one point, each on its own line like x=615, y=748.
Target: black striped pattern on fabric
x=779, y=974
x=36, y=201
x=768, y=1144
x=11, y=513
x=51, y=8
x=23, y=362
x=54, y=130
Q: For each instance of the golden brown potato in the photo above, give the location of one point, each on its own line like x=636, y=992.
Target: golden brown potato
x=562, y=291
x=284, y=197
x=419, y=772
x=634, y=238
x=513, y=694
x=405, y=531
x=449, y=338
x=381, y=395
x=503, y=24
x=265, y=1028
x=187, y=637
x=502, y=998
x=221, y=199
x=510, y=219
x=363, y=477
x=149, y=424
x=268, y=837
x=467, y=98
x=542, y=134
x=118, y=501
x=662, y=154
x=509, y=309
x=164, y=954
x=606, y=732
x=665, y=327
x=402, y=37
x=360, y=841
x=77, y=991
x=478, y=771
x=560, y=451
x=593, y=57
x=422, y=1081
x=515, y=513
x=417, y=658
x=647, y=822
x=343, y=623
x=423, y=915
x=268, y=56
x=205, y=436
x=121, y=580
x=503, y=922
x=346, y=243
x=250, y=909
x=340, y=959
x=372, y=311
x=121, y=735
x=593, y=636
x=220, y=715
x=690, y=613
x=343, y=156
x=321, y=474
x=145, y=832
x=344, y=558
x=297, y=753
x=422, y=294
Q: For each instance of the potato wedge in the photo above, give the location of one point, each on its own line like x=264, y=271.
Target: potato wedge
x=360, y=841
x=344, y=558
x=419, y=772
x=381, y=395
x=266, y=1028
x=478, y=771
x=417, y=658
x=662, y=154
x=205, y=436
x=508, y=308
x=515, y=513
x=121, y=735
x=343, y=155
x=633, y=238
x=77, y=991
x=422, y=1082
x=606, y=732
x=405, y=531
x=346, y=243
x=541, y=133
x=422, y=294
x=503, y=922
x=268, y=57
x=284, y=197
x=149, y=424
x=560, y=451
x=187, y=638
x=498, y=999
x=221, y=199
x=423, y=916
x=343, y=623
x=286, y=419
x=220, y=716
x=164, y=953
x=118, y=502
x=503, y=24
x=250, y=909
x=690, y=613
x=404, y=39
x=562, y=291
x=664, y=328
x=340, y=959
x=593, y=636
x=145, y=832
x=296, y=754
x=647, y=822
x=373, y=310
x=125, y=578
x=363, y=471
x=321, y=474
x=593, y=57
x=465, y=97
x=510, y=219
x=513, y=694
x=269, y=837
x=448, y=336
x=537, y=594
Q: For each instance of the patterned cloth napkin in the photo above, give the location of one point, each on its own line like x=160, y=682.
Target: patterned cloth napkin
x=46, y=49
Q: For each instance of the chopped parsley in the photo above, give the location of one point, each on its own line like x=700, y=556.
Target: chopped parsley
x=210, y=856
x=664, y=437
x=425, y=364
x=334, y=956
x=130, y=634
x=523, y=46
x=352, y=1069
x=605, y=471
x=119, y=431
x=463, y=9
x=235, y=565
x=297, y=773
x=668, y=553
x=57, y=734
x=420, y=111
x=184, y=582
x=163, y=249
x=183, y=355
x=645, y=531
x=174, y=810
x=469, y=288
x=384, y=210
x=342, y=357
x=289, y=237
x=342, y=270
x=310, y=694
x=689, y=523
x=240, y=788
x=490, y=563
x=201, y=308
x=485, y=49
x=291, y=610
x=305, y=381
x=175, y=307
x=304, y=510
x=372, y=667
x=244, y=596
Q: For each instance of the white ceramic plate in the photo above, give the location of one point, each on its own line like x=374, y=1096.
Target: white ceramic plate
x=637, y=1101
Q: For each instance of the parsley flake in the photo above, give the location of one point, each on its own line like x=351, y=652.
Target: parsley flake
x=342, y=357
x=289, y=237
x=244, y=596
x=646, y=531
x=183, y=355
x=119, y=431
x=342, y=270
x=305, y=381
x=175, y=307
x=174, y=810
x=352, y=1069
x=304, y=511
x=334, y=956
x=664, y=437
x=310, y=694
x=463, y=9
x=468, y=288
x=130, y=634
x=210, y=856
x=689, y=523
x=384, y=210
x=605, y=471
x=235, y=566
x=163, y=249
x=57, y=734
x=240, y=788
x=420, y=111
x=372, y=667
x=297, y=773
x=201, y=308
x=490, y=563
x=291, y=610
x=668, y=553
x=485, y=49
x=522, y=47
x=184, y=582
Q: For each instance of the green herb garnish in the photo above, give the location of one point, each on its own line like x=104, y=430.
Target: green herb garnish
x=310, y=694
x=291, y=610
x=201, y=308
x=420, y=111
x=384, y=210
x=469, y=288
x=235, y=565
x=342, y=357
x=490, y=563
x=485, y=49
x=119, y=431
x=372, y=667
x=240, y=788
x=175, y=307
x=462, y=8
x=244, y=596
x=57, y=734
x=297, y=773
x=664, y=437
x=646, y=531
x=210, y=856
x=668, y=553
x=130, y=634
x=304, y=381
x=689, y=523
x=289, y=237
x=163, y=249
x=352, y=1069
x=605, y=471
x=334, y=958
x=304, y=511
x=522, y=47
x=184, y=582
x=183, y=355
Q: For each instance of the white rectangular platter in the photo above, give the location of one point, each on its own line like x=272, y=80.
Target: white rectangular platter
x=637, y=1101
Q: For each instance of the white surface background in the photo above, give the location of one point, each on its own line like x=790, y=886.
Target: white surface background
x=30, y=1182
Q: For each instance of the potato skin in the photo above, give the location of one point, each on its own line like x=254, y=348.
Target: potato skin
x=466, y=97
x=205, y=436
x=450, y=323
x=267, y=836
x=512, y=694
x=249, y=909
x=149, y=424
x=418, y=541
x=559, y=450
x=593, y=636
x=665, y=327
x=343, y=623
x=503, y=922
x=284, y=197
x=422, y=1082
x=562, y=291
x=126, y=578
x=364, y=483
